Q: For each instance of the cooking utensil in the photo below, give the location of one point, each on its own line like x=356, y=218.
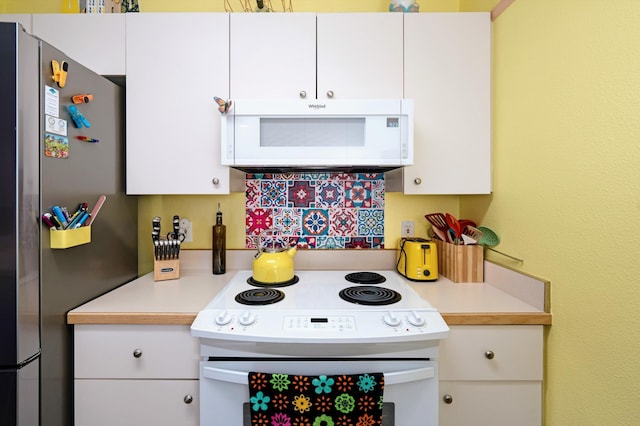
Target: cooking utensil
x=467, y=240
x=472, y=232
x=439, y=225
x=455, y=226
x=437, y=233
x=438, y=220
x=466, y=222
x=488, y=238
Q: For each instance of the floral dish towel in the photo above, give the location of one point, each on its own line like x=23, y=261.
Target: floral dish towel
x=340, y=400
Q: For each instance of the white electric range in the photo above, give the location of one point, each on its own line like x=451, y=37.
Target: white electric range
x=313, y=325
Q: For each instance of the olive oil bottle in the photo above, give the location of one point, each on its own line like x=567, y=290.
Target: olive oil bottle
x=219, y=245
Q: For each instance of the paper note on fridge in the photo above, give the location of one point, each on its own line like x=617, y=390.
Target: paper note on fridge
x=55, y=125
x=51, y=101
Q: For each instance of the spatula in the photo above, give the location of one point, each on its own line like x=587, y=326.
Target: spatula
x=438, y=220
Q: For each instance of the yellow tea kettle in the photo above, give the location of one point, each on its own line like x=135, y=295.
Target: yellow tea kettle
x=273, y=265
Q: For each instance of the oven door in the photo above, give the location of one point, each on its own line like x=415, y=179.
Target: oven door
x=410, y=393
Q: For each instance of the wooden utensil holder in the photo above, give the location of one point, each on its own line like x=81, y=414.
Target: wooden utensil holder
x=461, y=263
x=166, y=269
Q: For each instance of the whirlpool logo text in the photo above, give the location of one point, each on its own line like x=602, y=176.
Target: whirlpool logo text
x=317, y=106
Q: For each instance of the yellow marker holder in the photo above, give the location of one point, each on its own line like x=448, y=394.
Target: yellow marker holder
x=62, y=239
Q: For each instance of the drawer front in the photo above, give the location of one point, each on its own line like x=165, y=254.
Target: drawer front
x=135, y=351
x=490, y=403
x=492, y=352
x=136, y=402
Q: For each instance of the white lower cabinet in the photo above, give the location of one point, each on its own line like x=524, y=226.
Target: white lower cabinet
x=491, y=374
x=148, y=375
x=136, y=402
x=136, y=375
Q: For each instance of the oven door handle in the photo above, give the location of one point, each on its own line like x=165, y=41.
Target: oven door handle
x=392, y=378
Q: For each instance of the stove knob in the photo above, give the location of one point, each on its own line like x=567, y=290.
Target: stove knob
x=391, y=320
x=247, y=318
x=416, y=320
x=223, y=318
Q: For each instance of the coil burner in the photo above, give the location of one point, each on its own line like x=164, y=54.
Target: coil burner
x=365, y=278
x=370, y=295
x=259, y=296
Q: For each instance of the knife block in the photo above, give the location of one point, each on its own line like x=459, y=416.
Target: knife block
x=166, y=269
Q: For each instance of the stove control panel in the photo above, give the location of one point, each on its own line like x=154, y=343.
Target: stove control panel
x=335, y=323
x=375, y=325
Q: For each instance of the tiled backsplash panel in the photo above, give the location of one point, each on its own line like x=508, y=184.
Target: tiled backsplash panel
x=316, y=210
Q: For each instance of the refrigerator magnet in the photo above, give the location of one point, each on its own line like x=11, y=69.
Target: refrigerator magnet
x=55, y=125
x=56, y=146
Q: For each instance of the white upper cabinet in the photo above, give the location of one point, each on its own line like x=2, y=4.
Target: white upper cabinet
x=272, y=55
x=96, y=40
x=359, y=55
x=176, y=64
x=304, y=55
x=447, y=71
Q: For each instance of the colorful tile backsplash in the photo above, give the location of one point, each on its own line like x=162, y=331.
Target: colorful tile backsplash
x=316, y=210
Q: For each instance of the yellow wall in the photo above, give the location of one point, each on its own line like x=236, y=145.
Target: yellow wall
x=567, y=192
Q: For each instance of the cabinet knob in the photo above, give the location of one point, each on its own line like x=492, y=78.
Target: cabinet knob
x=303, y=94
x=417, y=181
x=330, y=94
x=188, y=399
x=489, y=354
x=215, y=181
x=448, y=399
x=137, y=353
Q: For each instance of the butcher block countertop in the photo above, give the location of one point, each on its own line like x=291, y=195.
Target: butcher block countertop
x=505, y=296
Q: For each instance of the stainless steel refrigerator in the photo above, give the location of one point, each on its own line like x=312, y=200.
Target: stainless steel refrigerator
x=39, y=284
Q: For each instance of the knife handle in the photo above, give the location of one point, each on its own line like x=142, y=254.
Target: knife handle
x=176, y=226
x=155, y=228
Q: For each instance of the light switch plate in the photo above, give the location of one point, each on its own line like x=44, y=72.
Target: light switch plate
x=186, y=229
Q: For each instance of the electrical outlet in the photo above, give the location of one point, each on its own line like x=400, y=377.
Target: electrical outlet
x=186, y=229
x=407, y=228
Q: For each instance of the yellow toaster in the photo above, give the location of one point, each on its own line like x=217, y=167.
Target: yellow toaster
x=417, y=259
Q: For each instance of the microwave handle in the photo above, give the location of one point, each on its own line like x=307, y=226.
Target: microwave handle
x=396, y=377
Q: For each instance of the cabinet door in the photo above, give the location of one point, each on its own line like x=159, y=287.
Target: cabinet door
x=492, y=352
x=136, y=402
x=490, y=403
x=176, y=64
x=128, y=351
x=96, y=40
x=360, y=55
x=273, y=55
x=447, y=65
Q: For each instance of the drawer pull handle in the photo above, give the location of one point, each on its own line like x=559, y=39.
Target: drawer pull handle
x=137, y=353
x=215, y=181
x=489, y=354
x=188, y=399
x=448, y=399
x=330, y=94
x=303, y=94
x=417, y=181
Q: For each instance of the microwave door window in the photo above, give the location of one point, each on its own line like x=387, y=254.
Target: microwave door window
x=315, y=139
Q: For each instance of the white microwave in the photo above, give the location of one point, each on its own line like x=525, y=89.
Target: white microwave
x=359, y=134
